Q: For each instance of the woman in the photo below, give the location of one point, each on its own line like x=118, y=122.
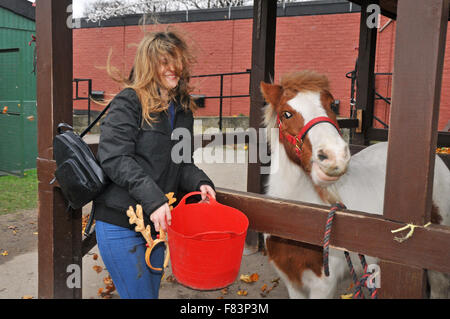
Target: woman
x=135, y=152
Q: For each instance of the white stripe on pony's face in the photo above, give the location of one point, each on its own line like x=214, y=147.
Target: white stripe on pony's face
x=330, y=153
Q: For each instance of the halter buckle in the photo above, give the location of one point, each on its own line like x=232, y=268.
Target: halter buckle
x=299, y=141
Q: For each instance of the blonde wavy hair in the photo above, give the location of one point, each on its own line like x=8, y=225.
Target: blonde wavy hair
x=155, y=49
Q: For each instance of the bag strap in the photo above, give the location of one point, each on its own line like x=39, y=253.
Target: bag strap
x=64, y=125
x=95, y=121
x=87, y=229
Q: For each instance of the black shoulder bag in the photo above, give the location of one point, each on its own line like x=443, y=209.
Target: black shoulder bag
x=78, y=172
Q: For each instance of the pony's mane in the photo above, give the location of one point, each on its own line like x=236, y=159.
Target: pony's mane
x=292, y=83
x=295, y=82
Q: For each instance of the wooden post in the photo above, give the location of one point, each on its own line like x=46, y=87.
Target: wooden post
x=419, y=56
x=365, y=94
x=59, y=239
x=263, y=64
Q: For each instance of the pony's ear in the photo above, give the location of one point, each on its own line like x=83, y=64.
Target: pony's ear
x=327, y=99
x=271, y=92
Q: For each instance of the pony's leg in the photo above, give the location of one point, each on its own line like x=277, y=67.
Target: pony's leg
x=326, y=287
x=294, y=291
x=439, y=285
x=319, y=287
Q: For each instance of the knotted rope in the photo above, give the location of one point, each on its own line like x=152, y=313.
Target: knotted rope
x=409, y=234
x=359, y=284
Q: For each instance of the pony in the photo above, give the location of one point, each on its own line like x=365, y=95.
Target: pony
x=311, y=163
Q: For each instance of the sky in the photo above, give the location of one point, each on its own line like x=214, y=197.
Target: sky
x=78, y=6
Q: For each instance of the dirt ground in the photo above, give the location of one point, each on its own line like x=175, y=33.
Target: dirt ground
x=18, y=237
x=18, y=234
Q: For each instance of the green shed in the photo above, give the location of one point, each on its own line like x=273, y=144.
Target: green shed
x=18, y=116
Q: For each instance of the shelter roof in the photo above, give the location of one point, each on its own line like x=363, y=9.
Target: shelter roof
x=388, y=7
x=23, y=8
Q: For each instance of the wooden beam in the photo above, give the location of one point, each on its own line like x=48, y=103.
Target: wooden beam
x=365, y=93
x=263, y=69
x=415, y=109
x=370, y=234
x=419, y=55
x=59, y=239
x=381, y=134
x=397, y=274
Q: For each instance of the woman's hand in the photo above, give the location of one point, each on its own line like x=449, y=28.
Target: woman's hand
x=206, y=189
x=160, y=216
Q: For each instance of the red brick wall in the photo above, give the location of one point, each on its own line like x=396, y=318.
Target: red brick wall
x=325, y=43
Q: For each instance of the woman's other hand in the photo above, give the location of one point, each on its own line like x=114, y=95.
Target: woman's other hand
x=161, y=217
x=206, y=189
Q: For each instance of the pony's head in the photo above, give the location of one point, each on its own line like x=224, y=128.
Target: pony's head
x=301, y=108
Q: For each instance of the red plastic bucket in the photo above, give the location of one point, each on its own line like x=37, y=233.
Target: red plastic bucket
x=206, y=241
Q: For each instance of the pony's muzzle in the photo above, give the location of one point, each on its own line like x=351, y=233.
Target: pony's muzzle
x=331, y=162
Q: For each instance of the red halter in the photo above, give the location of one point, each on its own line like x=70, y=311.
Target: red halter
x=298, y=139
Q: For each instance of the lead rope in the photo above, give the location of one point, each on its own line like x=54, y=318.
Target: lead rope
x=359, y=284
x=326, y=238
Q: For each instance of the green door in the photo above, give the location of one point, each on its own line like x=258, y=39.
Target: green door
x=11, y=115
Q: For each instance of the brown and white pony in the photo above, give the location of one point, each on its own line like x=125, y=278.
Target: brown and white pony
x=311, y=162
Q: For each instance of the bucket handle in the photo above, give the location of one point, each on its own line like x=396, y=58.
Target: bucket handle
x=232, y=234
x=162, y=239
x=212, y=201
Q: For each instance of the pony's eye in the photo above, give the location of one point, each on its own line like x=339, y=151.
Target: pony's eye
x=287, y=115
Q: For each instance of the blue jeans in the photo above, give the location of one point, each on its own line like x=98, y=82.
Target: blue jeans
x=123, y=253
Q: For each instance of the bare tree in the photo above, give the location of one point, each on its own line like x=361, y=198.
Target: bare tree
x=105, y=9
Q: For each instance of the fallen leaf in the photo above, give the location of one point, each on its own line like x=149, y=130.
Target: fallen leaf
x=265, y=291
x=35, y=233
x=98, y=269
x=249, y=278
x=5, y=109
x=107, y=280
x=27, y=297
x=100, y=291
x=242, y=292
x=95, y=257
x=30, y=118
x=5, y=253
x=224, y=291
x=171, y=278
x=110, y=288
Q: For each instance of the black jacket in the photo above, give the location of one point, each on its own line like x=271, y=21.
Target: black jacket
x=137, y=159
